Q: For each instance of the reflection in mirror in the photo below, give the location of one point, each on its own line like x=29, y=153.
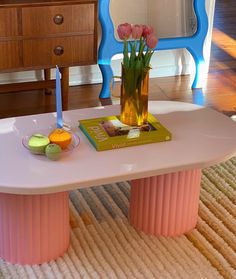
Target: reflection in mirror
x=179, y=21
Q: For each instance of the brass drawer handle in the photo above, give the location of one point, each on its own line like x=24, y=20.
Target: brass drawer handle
x=58, y=50
x=58, y=19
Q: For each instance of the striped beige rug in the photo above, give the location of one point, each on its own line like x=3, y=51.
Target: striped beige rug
x=104, y=245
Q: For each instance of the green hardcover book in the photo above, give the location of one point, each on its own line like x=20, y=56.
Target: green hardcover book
x=109, y=133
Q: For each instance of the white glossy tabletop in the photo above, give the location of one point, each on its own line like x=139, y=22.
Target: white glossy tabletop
x=201, y=137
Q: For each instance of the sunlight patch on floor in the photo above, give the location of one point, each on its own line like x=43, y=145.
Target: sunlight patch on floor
x=225, y=42
x=233, y=117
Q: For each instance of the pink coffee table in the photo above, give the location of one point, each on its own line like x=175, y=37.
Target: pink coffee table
x=165, y=177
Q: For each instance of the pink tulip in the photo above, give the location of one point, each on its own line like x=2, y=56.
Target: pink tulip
x=151, y=40
x=137, y=31
x=147, y=30
x=124, y=31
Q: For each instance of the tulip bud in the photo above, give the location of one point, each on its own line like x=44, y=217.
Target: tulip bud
x=151, y=41
x=137, y=31
x=147, y=30
x=124, y=31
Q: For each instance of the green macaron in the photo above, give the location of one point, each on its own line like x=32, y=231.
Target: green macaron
x=53, y=151
x=37, y=143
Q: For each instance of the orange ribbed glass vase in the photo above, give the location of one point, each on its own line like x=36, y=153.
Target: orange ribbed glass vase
x=134, y=97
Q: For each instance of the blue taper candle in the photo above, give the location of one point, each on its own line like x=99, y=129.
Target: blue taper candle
x=58, y=99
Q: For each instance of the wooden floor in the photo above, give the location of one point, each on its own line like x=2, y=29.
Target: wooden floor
x=219, y=91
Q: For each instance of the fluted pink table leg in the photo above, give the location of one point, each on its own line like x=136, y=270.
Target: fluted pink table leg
x=33, y=228
x=166, y=204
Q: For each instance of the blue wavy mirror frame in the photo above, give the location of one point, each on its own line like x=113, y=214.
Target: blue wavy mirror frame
x=109, y=46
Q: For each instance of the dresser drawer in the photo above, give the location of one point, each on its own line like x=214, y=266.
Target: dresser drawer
x=62, y=51
x=47, y=20
x=10, y=55
x=8, y=22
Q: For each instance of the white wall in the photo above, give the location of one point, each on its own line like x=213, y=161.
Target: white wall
x=172, y=22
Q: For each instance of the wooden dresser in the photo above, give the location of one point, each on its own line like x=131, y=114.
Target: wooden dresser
x=40, y=34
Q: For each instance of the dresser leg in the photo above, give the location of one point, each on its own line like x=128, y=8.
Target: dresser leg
x=47, y=76
x=34, y=228
x=64, y=86
x=166, y=204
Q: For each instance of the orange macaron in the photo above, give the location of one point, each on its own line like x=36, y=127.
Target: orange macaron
x=60, y=137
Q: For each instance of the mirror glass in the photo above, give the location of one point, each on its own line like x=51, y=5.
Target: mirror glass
x=169, y=18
